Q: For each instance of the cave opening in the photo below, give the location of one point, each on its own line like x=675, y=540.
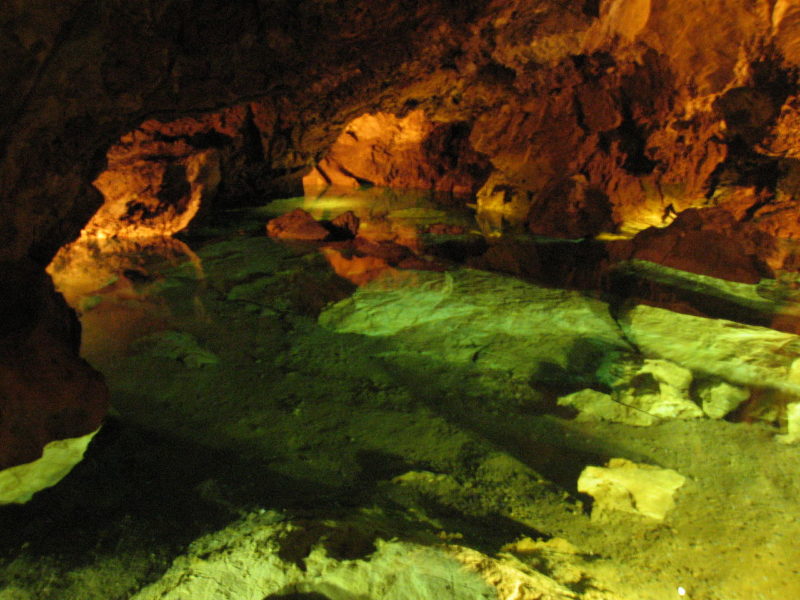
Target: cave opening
x=410, y=300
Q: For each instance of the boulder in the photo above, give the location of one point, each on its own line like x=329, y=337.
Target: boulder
x=720, y=398
x=626, y=486
x=705, y=242
x=485, y=320
x=643, y=392
x=407, y=151
x=297, y=225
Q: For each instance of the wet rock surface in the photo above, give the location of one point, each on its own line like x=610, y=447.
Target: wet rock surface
x=398, y=423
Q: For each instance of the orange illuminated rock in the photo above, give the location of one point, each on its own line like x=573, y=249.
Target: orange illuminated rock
x=297, y=225
x=401, y=152
x=145, y=198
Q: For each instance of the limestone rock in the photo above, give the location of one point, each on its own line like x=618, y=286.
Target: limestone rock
x=265, y=557
x=473, y=318
x=739, y=354
x=720, y=398
x=597, y=406
x=630, y=487
x=653, y=107
x=401, y=152
x=658, y=388
x=152, y=187
x=643, y=392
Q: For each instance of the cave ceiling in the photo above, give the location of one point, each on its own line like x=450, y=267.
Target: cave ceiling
x=638, y=104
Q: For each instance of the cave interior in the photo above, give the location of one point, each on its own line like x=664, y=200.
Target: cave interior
x=325, y=299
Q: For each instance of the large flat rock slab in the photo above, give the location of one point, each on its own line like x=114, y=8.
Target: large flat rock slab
x=484, y=319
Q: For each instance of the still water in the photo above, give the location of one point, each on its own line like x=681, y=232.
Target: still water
x=439, y=382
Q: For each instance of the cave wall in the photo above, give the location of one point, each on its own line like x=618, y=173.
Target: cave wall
x=596, y=114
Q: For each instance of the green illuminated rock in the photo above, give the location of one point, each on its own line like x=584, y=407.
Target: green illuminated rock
x=487, y=320
x=739, y=354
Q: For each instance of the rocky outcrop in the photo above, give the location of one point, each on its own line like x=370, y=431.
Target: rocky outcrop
x=409, y=152
x=47, y=393
x=709, y=242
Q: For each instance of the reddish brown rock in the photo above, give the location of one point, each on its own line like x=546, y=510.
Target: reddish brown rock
x=347, y=223
x=297, y=225
x=401, y=152
x=46, y=391
x=705, y=242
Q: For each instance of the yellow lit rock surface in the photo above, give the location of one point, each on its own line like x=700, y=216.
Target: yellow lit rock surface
x=145, y=198
x=630, y=487
x=251, y=560
x=18, y=484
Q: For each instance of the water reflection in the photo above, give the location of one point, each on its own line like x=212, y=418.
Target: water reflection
x=111, y=283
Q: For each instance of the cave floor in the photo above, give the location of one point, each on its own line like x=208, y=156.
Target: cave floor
x=235, y=403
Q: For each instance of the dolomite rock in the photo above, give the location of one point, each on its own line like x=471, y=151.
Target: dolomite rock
x=629, y=487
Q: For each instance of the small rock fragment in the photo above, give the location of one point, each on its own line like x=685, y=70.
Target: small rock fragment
x=720, y=398
x=597, y=406
x=626, y=486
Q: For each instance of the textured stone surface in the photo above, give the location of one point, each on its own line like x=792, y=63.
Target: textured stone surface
x=297, y=225
x=739, y=354
x=409, y=152
x=493, y=322
x=615, y=114
x=262, y=557
x=626, y=486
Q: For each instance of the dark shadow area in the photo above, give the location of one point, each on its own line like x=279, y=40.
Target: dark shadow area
x=137, y=490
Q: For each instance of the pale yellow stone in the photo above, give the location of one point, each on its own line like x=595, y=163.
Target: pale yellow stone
x=626, y=486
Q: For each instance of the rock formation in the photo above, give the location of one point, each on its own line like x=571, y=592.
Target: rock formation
x=585, y=117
